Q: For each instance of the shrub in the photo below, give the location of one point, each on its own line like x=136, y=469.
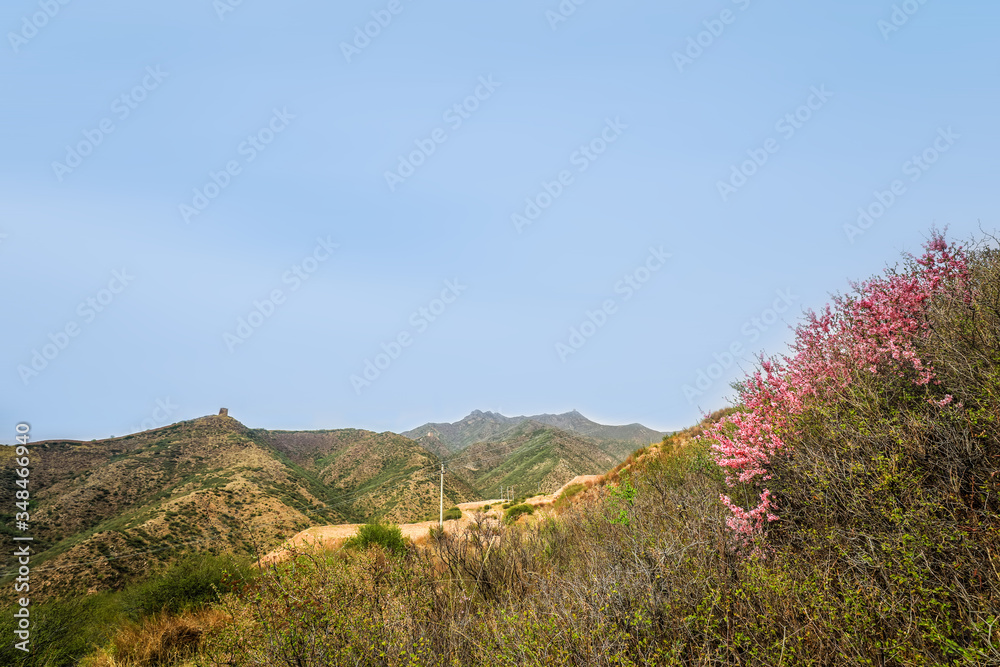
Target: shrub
x=189, y=584
x=452, y=513
x=63, y=630
x=388, y=536
x=877, y=330
x=621, y=500
x=157, y=641
x=515, y=512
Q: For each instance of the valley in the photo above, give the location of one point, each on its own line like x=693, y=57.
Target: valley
x=107, y=511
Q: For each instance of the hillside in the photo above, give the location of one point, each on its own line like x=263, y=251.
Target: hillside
x=450, y=438
x=385, y=474
x=105, y=510
x=195, y=485
x=444, y=438
x=532, y=457
x=844, y=512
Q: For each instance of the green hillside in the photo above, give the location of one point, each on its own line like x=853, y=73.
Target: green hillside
x=444, y=439
x=385, y=475
x=531, y=457
x=105, y=511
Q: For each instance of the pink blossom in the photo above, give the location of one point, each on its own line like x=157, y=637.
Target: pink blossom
x=876, y=330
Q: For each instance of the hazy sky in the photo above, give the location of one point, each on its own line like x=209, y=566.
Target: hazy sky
x=376, y=214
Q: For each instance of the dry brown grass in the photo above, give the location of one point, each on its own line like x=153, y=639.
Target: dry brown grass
x=159, y=641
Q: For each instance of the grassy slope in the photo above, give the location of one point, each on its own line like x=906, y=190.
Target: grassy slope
x=529, y=457
x=444, y=438
x=381, y=475
x=195, y=485
x=104, y=511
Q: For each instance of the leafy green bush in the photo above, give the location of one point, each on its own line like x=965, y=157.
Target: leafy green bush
x=193, y=582
x=386, y=535
x=452, y=513
x=621, y=500
x=62, y=632
x=514, y=513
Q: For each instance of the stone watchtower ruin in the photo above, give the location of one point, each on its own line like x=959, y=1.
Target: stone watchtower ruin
x=223, y=412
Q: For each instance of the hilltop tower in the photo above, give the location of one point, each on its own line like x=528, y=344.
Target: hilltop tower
x=223, y=412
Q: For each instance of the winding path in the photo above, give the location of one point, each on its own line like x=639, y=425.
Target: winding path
x=332, y=536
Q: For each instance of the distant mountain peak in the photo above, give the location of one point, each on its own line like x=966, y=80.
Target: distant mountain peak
x=480, y=426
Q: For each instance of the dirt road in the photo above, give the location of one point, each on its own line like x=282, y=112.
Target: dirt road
x=331, y=536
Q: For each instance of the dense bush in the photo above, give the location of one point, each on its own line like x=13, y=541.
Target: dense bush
x=452, y=513
x=157, y=641
x=514, y=512
x=66, y=629
x=388, y=536
x=62, y=630
x=860, y=365
x=188, y=584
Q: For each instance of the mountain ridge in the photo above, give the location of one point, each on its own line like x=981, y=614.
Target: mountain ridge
x=448, y=438
x=104, y=511
x=532, y=457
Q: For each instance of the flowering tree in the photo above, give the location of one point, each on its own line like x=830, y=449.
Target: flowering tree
x=875, y=330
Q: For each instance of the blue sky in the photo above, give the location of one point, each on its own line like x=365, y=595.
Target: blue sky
x=587, y=205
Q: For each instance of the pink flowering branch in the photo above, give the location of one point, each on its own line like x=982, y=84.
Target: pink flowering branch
x=876, y=330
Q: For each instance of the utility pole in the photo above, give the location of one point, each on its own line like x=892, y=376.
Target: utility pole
x=441, y=518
